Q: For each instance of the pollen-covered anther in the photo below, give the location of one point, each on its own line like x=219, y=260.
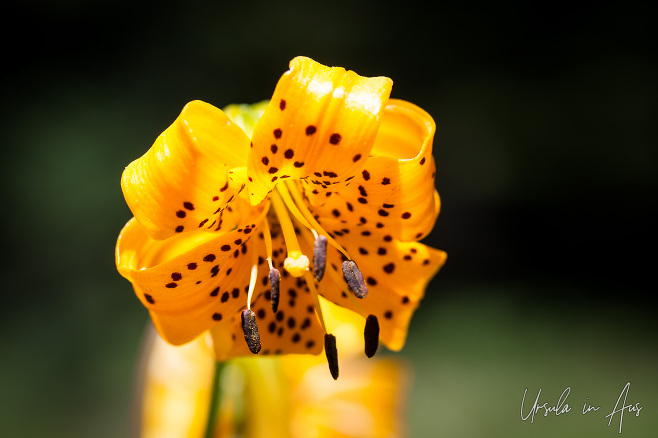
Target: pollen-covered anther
x=371, y=335
x=275, y=281
x=250, y=330
x=332, y=354
x=319, y=257
x=354, y=279
x=296, y=264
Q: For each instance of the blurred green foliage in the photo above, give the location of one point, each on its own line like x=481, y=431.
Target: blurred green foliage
x=546, y=166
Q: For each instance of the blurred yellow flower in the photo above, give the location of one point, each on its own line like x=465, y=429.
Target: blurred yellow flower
x=349, y=174
x=277, y=397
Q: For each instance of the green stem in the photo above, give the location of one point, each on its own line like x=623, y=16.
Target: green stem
x=215, y=397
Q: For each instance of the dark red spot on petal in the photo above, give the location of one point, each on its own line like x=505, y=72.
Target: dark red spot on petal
x=176, y=276
x=362, y=200
x=217, y=316
x=386, y=181
x=265, y=161
x=179, y=229
x=289, y=153
x=310, y=130
x=171, y=285
x=277, y=133
x=371, y=281
x=149, y=298
x=335, y=138
x=191, y=266
x=422, y=161
x=223, y=189
x=188, y=205
x=215, y=292
x=209, y=258
x=366, y=175
x=298, y=164
x=282, y=104
x=389, y=268
x=226, y=247
x=383, y=212
x=180, y=214
x=356, y=158
x=388, y=314
x=273, y=170
x=406, y=215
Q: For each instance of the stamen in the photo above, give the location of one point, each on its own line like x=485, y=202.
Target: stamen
x=319, y=257
x=354, y=279
x=296, y=263
x=316, y=300
x=371, y=335
x=332, y=354
x=301, y=207
x=250, y=330
x=275, y=281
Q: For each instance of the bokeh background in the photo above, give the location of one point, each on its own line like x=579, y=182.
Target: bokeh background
x=546, y=154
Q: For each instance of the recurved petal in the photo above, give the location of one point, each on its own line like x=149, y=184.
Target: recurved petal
x=396, y=273
x=320, y=123
x=189, y=282
x=395, y=189
x=191, y=176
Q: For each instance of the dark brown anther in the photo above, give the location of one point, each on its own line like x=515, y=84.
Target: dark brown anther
x=371, y=335
x=275, y=281
x=319, y=257
x=354, y=279
x=332, y=354
x=250, y=330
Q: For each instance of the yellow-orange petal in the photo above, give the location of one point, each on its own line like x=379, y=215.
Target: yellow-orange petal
x=177, y=388
x=188, y=282
x=395, y=189
x=321, y=124
x=190, y=178
x=395, y=272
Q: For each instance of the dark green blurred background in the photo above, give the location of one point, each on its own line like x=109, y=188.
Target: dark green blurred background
x=546, y=155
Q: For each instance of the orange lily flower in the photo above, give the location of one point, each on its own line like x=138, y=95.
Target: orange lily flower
x=232, y=206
